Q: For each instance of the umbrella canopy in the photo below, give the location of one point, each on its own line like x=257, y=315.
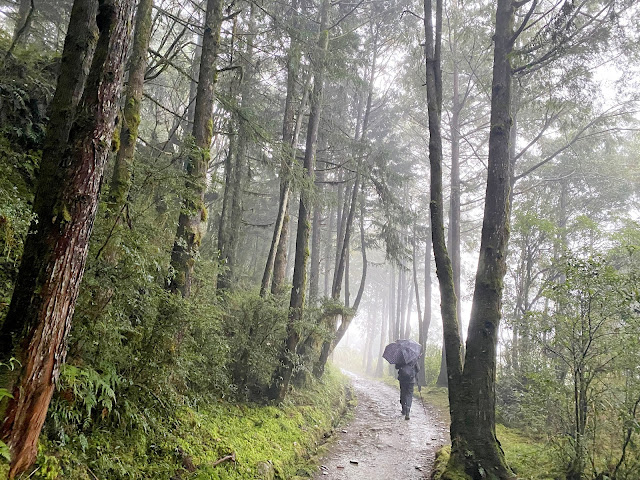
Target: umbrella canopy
x=402, y=352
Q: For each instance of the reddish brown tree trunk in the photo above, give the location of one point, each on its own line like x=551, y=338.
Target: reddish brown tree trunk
x=66, y=202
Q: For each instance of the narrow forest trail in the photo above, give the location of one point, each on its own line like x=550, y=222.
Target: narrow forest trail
x=381, y=441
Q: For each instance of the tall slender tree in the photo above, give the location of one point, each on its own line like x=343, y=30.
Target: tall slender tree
x=282, y=375
x=276, y=259
x=128, y=135
x=194, y=211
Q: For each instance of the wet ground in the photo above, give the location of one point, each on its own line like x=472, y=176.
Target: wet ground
x=379, y=444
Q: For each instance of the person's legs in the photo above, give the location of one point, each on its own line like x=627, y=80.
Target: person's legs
x=406, y=397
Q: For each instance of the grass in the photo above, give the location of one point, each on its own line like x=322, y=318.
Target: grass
x=529, y=457
x=266, y=442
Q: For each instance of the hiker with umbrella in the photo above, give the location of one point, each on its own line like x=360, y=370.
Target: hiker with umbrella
x=405, y=354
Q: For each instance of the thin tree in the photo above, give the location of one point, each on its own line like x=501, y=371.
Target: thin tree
x=282, y=375
x=194, y=211
x=276, y=259
x=128, y=135
x=451, y=336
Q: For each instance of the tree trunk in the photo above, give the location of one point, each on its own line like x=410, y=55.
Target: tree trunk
x=128, y=135
x=426, y=318
x=448, y=299
x=399, y=326
x=23, y=22
x=282, y=375
x=327, y=253
x=316, y=233
x=276, y=259
x=454, y=206
x=237, y=165
x=476, y=447
x=402, y=297
x=77, y=145
x=194, y=211
x=409, y=309
x=383, y=337
x=392, y=310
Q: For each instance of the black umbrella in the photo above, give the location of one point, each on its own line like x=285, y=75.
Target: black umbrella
x=402, y=352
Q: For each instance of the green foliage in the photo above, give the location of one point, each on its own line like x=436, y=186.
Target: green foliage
x=27, y=84
x=187, y=439
x=529, y=457
x=574, y=383
x=255, y=329
x=86, y=397
x=432, y=360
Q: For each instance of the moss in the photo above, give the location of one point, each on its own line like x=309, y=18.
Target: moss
x=209, y=129
x=444, y=469
x=115, y=140
x=280, y=440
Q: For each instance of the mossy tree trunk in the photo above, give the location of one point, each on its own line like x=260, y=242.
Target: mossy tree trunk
x=282, y=375
x=121, y=179
x=194, y=211
x=66, y=200
x=475, y=448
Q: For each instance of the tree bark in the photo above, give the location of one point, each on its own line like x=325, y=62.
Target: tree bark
x=282, y=375
x=23, y=22
x=77, y=145
x=426, y=317
x=316, y=234
x=476, y=447
x=408, y=309
x=383, y=337
x=448, y=299
x=276, y=259
x=128, y=135
x=194, y=211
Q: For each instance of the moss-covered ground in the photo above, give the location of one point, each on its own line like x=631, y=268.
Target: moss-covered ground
x=529, y=457
x=264, y=442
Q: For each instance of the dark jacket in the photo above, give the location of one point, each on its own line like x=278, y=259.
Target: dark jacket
x=408, y=372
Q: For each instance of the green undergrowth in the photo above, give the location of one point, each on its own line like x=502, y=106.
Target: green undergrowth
x=528, y=456
x=264, y=442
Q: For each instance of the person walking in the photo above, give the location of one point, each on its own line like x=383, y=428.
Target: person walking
x=407, y=376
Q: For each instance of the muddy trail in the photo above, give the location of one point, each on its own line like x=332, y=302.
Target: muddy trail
x=378, y=443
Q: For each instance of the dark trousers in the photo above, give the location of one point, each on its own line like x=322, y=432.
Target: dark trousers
x=406, y=396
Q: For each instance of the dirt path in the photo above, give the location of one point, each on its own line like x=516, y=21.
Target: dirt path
x=381, y=441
